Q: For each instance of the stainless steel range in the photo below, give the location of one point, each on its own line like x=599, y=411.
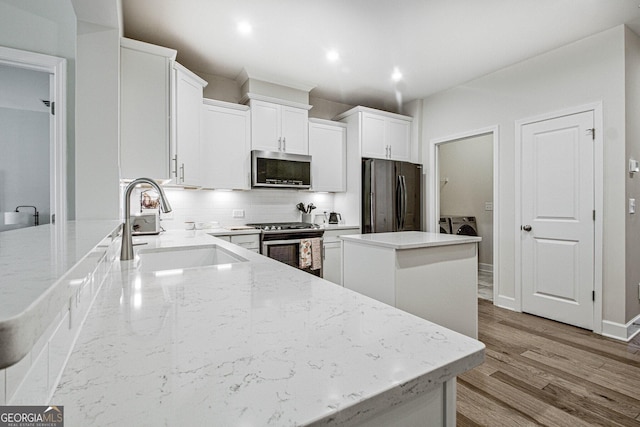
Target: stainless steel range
x=282, y=241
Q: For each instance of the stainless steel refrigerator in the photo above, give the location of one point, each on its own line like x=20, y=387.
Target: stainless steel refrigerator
x=391, y=196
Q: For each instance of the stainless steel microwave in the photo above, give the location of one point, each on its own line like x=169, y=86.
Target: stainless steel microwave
x=280, y=170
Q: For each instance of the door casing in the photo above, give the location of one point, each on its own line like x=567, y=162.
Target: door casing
x=433, y=187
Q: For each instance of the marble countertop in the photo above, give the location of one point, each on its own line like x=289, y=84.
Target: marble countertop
x=249, y=343
x=32, y=262
x=409, y=239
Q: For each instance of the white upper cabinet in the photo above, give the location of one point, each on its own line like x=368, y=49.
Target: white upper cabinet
x=187, y=104
x=145, y=87
x=327, y=147
x=225, y=145
x=374, y=143
x=398, y=137
x=277, y=127
x=383, y=135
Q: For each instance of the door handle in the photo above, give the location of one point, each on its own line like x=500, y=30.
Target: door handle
x=526, y=228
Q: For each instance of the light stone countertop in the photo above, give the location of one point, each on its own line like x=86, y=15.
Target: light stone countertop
x=32, y=262
x=250, y=343
x=409, y=239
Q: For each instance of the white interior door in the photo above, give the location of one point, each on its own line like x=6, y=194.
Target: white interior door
x=557, y=234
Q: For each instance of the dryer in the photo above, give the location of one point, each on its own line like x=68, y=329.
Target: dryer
x=464, y=225
x=445, y=225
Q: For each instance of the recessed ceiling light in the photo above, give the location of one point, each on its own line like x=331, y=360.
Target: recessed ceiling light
x=244, y=28
x=396, y=76
x=333, y=55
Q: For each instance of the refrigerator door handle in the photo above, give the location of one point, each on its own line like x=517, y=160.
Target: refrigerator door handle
x=399, y=203
x=372, y=203
x=404, y=201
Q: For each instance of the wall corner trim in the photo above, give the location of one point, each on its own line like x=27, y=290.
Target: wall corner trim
x=623, y=332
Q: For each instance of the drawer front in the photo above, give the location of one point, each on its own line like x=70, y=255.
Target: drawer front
x=248, y=241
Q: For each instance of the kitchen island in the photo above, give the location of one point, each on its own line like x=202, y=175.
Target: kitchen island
x=431, y=275
x=254, y=342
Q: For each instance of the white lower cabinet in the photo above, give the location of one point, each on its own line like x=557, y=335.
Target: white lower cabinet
x=437, y=283
x=247, y=241
x=332, y=253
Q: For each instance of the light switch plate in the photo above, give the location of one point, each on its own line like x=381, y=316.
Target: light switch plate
x=488, y=206
x=237, y=213
x=634, y=166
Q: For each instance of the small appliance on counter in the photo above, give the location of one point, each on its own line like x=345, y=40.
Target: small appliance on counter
x=145, y=224
x=334, y=218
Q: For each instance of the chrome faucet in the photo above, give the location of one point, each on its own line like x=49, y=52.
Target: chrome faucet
x=126, y=252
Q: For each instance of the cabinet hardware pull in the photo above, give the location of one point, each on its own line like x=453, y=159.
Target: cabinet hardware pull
x=284, y=144
x=182, y=173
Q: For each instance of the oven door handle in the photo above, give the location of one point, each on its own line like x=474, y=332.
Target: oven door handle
x=266, y=243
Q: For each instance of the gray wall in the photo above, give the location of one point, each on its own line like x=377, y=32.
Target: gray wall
x=632, y=111
x=47, y=27
x=467, y=164
x=24, y=163
x=587, y=71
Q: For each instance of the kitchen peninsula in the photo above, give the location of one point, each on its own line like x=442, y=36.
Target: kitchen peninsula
x=431, y=275
x=248, y=342
x=254, y=343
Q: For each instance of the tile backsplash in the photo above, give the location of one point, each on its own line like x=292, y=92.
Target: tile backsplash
x=263, y=205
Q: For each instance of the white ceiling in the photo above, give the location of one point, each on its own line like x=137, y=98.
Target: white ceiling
x=436, y=44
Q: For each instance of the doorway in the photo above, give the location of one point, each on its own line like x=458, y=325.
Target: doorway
x=33, y=118
x=463, y=196
x=24, y=165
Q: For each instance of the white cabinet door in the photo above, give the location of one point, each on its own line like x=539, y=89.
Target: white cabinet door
x=373, y=136
x=265, y=126
x=332, y=263
x=186, y=121
x=295, y=130
x=332, y=247
x=327, y=147
x=385, y=137
x=276, y=127
x=398, y=137
x=225, y=161
x=144, y=114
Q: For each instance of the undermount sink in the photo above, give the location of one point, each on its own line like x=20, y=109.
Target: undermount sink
x=185, y=257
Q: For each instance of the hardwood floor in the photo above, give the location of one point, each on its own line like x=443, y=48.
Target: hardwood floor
x=540, y=372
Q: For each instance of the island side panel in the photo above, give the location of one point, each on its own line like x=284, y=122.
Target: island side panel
x=440, y=284
x=369, y=270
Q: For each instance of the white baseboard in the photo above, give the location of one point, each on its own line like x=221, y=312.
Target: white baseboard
x=619, y=331
x=487, y=268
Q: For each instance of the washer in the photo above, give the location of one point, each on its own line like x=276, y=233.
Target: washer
x=445, y=225
x=464, y=225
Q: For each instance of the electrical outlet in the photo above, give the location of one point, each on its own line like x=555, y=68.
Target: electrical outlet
x=168, y=216
x=488, y=206
x=237, y=213
x=632, y=206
